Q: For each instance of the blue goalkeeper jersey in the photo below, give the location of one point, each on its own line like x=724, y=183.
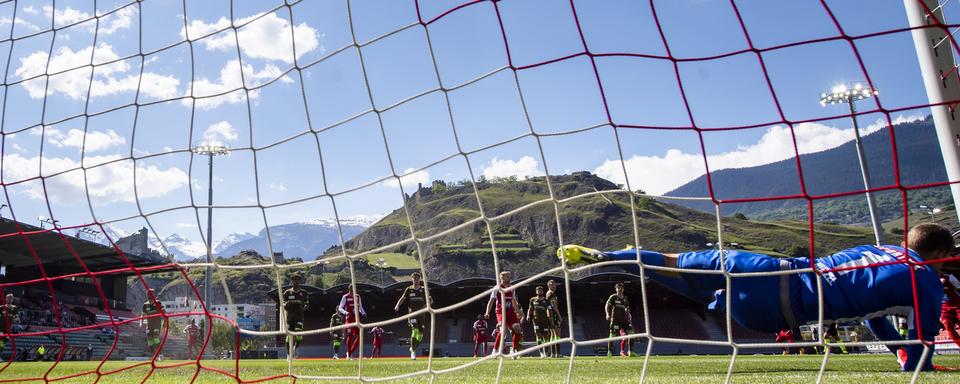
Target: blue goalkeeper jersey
x=858, y=293
x=879, y=290
x=876, y=291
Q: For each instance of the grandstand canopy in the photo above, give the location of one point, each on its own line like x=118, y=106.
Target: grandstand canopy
x=22, y=245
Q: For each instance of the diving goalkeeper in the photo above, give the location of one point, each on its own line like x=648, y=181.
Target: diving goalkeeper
x=861, y=283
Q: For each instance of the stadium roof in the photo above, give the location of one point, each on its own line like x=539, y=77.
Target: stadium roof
x=21, y=245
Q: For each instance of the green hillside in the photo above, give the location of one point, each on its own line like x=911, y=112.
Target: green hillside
x=527, y=237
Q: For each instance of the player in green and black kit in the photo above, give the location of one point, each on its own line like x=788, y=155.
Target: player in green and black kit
x=539, y=313
x=335, y=321
x=295, y=301
x=557, y=320
x=9, y=315
x=154, y=324
x=621, y=322
x=416, y=299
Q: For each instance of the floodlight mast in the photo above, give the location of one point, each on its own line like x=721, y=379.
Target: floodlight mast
x=842, y=95
x=210, y=150
x=937, y=65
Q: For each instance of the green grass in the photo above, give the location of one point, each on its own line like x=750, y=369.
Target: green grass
x=672, y=370
x=398, y=260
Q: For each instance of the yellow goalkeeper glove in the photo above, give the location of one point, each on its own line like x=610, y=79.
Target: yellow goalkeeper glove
x=576, y=254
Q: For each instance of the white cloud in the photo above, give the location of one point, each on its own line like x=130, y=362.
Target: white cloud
x=109, y=183
x=121, y=19
x=109, y=24
x=523, y=168
x=107, y=79
x=74, y=138
x=410, y=180
x=18, y=21
x=230, y=79
x=219, y=132
x=266, y=37
x=660, y=174
x=278, y=187
x=31, y=10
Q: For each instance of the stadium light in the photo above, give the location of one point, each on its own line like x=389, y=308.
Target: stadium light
x=323, y=271
x=932, y=211
x=843, y=95
x=382, y=264
x=210, y=150
x=89, y=232
x=47, y=220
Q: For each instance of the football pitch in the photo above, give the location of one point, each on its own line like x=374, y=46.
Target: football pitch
x=672, y=370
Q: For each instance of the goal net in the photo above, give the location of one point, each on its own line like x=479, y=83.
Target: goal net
x=192, y=181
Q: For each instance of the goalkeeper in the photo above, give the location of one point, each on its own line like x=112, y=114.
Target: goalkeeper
x=866, y=282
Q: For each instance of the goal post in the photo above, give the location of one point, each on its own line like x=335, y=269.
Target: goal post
x=935, y=52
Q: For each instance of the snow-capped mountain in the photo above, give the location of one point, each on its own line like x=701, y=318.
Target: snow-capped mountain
x=306, y=240
x=181, y=248
x=357, y=220
x=230, y=240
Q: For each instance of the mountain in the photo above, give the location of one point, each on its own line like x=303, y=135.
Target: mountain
x=230, y=240
x=305, y=240
x=833, y=171
x=181, y=248
x=525, y=233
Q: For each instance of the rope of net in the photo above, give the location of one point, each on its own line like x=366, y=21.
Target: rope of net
x=564, y=270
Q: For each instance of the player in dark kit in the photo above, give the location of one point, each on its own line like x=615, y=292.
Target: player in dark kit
x=508, y=312
x=557, y=320
x=337, y=335
x=950, y=306
x=193, y=339
x=295, y=302
x=621, y=321
x=861, y=283
x=415, y=297
x=479, y=335
x=350, y=305
x=539, y=313
x=9, y=315
x=154, y=324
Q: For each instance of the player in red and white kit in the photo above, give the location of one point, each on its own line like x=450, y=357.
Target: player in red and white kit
x=193, y=339
x=479, y=335
x=377, y=333
x=350, y=305
x=950, y=306
x=785, y=336
x=506, y=301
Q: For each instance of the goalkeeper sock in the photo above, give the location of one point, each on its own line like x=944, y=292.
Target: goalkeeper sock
x=516, y=341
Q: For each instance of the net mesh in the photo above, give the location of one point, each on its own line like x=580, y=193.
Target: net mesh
x=148, y=90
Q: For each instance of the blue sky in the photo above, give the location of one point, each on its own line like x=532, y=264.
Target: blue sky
x=337, y=128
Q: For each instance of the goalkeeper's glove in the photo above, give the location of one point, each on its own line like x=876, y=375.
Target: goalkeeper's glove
x=576, y=254
x=938, y=367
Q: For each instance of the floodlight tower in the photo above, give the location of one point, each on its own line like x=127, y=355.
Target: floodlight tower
x=210, y=150
x=843, y=95
x=932, y=211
